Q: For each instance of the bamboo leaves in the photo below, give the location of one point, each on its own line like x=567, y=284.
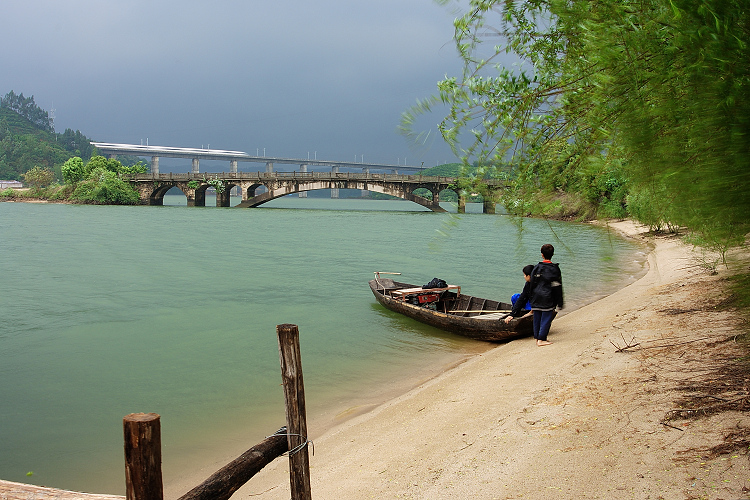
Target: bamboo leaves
x=653, y=96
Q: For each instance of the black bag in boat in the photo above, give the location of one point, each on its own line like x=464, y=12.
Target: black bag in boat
x=435, y=283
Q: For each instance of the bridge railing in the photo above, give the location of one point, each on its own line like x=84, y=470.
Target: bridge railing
x=271, y=176
x=265, y=177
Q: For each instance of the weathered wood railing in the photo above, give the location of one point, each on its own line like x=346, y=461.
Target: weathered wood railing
x=142, y=437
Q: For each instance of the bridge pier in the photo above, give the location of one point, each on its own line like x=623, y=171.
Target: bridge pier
x=154, y=164
x=461, y=204
x=196, y=166
x=224, y=198
x=334, y=190
x=199, y=198
x=233, y=166
x=365, y=193
x=303, y=169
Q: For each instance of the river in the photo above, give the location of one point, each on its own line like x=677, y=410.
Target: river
x=111, y=310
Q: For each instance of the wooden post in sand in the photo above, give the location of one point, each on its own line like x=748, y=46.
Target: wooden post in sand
x=142, y=457
x=294, y=394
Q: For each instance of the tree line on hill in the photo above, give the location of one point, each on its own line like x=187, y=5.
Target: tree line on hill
x=57, y=166
x=27, y=108
x=28, y=140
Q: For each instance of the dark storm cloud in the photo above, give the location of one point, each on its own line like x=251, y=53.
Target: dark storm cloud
x=329, y=77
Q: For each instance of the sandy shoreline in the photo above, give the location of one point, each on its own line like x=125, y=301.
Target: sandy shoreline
x=573, y=420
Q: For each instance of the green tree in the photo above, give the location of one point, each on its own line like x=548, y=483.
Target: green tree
x=73, y=170
x=26, y=107
x=115, y=166
x=24, y=144
x=39, y=177
x=649, y=97
x=102, y=186
x=76, y=143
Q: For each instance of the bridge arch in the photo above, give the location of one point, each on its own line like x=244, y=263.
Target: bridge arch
x=152, y=187
x=280, y=189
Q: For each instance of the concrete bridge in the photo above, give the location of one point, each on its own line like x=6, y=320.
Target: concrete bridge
x=152, y=187
x=233, y=157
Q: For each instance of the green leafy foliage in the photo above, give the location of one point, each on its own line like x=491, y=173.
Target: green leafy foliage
x=103, y=186
x=27, y=108
x=28, y=140
x=445, y=170
x=100, y=180
x=216, y=183
x=39, y=177
x=75, y=143
x=631, y=107
x=73, y=171
x=23, y=145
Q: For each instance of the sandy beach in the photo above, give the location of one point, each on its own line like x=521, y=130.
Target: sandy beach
x=591, y=416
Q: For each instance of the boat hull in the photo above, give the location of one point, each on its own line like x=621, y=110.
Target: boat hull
x=468, y=323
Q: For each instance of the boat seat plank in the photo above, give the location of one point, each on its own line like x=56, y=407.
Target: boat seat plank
x=410, y=291
x=497, y=315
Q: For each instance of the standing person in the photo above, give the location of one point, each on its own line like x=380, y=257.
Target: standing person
x=520, y=301
x=546, y=294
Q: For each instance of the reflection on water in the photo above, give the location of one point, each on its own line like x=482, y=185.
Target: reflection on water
x=113, y=310
x=356, y=204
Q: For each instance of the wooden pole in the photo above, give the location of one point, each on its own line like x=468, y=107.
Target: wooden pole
x=294, y=394
x=142, y=457
x=223, y=483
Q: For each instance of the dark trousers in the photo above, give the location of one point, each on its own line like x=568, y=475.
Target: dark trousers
x=542, y=322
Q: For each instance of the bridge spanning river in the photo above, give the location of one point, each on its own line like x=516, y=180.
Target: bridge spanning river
x=153, y=187
x=257, y=188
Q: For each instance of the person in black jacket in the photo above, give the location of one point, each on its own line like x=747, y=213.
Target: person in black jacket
x=519, y=306
x=546, y=294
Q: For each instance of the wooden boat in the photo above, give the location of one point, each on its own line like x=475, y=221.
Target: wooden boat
x=448, y=309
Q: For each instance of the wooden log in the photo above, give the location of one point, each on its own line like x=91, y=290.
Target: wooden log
x=143, y=480
x=19, y=491
x=223, y=483
x=296, y=418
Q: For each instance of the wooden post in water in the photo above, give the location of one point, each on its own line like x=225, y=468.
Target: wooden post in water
x=294, y=394
x=143, y=457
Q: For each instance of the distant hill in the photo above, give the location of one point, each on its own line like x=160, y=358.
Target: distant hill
x=445, y=170
x=451, y=170
x=28, y=140
x=24, y=145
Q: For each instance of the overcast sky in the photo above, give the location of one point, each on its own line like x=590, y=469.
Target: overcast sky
x=328, y=78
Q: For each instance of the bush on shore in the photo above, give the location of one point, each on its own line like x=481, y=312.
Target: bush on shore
x=104, y=187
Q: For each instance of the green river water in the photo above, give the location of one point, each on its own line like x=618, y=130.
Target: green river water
x=110, y=310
